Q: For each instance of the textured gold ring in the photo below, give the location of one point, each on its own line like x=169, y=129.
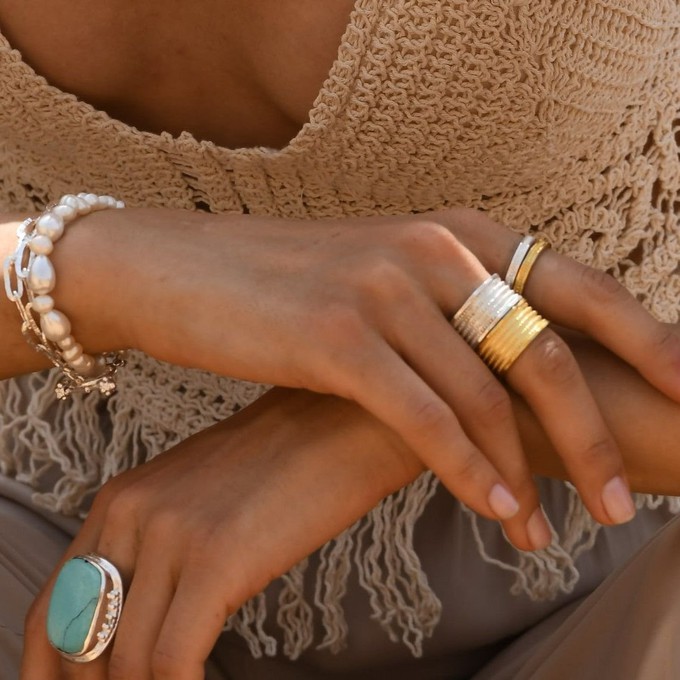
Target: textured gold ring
x=506, y=341
x=535, y=249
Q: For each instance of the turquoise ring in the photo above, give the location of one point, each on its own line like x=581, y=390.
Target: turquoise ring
x=85, y=607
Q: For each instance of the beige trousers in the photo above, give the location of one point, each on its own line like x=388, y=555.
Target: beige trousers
x=628, y=628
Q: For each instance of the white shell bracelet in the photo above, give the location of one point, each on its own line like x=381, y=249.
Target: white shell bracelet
x=29, y=280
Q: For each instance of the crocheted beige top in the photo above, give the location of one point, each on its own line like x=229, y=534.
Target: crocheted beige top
x=555, y=116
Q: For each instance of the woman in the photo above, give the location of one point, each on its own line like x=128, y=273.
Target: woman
x=327, y=255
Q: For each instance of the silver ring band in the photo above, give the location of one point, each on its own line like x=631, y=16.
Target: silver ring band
x=85, y=607
x=480, y=313
x=517, y=259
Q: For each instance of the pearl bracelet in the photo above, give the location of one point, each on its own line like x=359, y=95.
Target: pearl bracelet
x=30, y=277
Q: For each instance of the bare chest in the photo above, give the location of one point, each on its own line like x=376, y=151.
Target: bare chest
x=236, y=72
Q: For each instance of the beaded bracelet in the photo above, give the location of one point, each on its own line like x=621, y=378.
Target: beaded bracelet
x=30, y=277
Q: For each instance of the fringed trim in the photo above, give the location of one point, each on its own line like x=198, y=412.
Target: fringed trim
x=295, y=615
x=91, y=447
x=380, y=546
x=545, y=574
x=335, y=567
x=400, y=597
x=249, y=624
x=101, y=439
x=541, y=575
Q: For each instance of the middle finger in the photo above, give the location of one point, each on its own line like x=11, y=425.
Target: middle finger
x=424, y=336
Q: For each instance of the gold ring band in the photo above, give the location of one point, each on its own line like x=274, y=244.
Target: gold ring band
x=503, y=345
x=537, y=247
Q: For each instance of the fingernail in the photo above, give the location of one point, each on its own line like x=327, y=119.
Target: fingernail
x=538, y=530
x=617, y=501
x=502, y=502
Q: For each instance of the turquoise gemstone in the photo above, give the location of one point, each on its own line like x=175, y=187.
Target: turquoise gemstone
x=73, y=605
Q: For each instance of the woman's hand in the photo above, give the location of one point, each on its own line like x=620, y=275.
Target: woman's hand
x=202, y=528
x=359, y=308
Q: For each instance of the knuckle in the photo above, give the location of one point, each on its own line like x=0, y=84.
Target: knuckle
x=431, y=417
x=467, y=467
x=597, y=453
x=429, y=237
x=433, y=234
x=601, y=287
x=380, y=280
x=117, y=497
x=554, y=360
x=167, y=662
x=105, y=496
x=493, y=406
x=377, y=275
x=124, y=506
x=667, y=343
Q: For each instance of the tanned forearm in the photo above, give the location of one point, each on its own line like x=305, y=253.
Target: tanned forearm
x=100, y=276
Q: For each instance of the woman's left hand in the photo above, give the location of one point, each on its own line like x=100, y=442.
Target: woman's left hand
x=202, y=528
x=210, y=523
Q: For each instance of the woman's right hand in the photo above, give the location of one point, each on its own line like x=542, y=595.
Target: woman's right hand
x=208, y=524
x=359, y=307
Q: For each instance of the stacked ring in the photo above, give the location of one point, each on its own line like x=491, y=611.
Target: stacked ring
x=511, y=336
x=517, y=259
x=481, y=311
x=84, y=608
x=498, y=323
x=523, y=260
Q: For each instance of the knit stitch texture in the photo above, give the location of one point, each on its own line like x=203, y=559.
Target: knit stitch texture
x=554, y=116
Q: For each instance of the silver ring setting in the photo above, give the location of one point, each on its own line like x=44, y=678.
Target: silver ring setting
x=85, y=607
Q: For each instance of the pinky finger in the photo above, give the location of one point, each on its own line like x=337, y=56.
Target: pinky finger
x=400, y=398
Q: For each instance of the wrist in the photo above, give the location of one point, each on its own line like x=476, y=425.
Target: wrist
x=94, y=281
x=29, y=278
x=356, y=442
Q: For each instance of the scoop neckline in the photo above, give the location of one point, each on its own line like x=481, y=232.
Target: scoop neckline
x=325, y=107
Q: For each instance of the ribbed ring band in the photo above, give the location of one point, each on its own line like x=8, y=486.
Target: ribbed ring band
x=467, y=309
x=511, y=336
x=536, y=248
x=489, y=303
x=85, y=607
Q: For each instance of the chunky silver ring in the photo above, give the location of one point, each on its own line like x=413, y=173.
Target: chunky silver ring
x=85, y=607
x=485, y=307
